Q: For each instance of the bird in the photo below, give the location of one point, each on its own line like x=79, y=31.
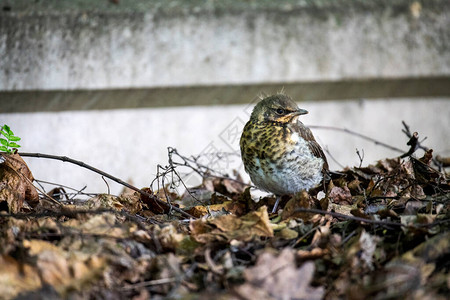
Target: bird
x=278, y=151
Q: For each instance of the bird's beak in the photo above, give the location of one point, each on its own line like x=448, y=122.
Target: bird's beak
x=299, y=112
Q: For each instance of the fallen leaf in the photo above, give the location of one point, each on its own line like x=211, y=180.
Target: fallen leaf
x=16, y=183
x=340, y=195
x=228, y=227
x=361, y=253
x=217, y=209
x=277, y=277
x=300, y=200
x=64, y=270
x=16, y=277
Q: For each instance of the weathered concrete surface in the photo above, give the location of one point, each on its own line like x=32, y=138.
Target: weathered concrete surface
x=83, y=45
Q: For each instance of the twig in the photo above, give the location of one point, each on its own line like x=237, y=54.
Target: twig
x=345, y=240
x=107, y=185
x=361, y=157
x=305, y=235
x=82, y=164
x=64, y=187
x=370, y=221
x=376, y=142
x=353, y=218
x=418, y=144
x=149, y=283
x=202, y=170
x=329, y=155
x=191, y=163
x=42, y=191
x=410, y=135
x=80, y=192
x=413, y=143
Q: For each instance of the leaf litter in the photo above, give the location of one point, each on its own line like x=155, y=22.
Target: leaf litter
x=381, y=231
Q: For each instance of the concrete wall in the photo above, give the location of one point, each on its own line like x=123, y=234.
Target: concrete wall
x=47, y=48
x=153, y=48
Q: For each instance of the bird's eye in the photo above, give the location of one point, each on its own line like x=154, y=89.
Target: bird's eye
x=280, y=111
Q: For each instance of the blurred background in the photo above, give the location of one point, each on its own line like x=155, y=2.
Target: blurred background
x=115, y=83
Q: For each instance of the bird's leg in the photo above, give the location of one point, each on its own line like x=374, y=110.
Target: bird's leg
x=275, y=207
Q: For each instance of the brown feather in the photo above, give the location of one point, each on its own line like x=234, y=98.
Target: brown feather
x=315, y=148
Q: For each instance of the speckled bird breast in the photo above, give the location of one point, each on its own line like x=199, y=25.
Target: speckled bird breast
x=278, y=160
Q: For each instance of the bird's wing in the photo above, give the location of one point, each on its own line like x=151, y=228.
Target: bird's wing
x=315, y=148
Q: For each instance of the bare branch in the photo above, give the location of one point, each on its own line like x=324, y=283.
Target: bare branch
x=376, y=142
x=361, y=157
x=82, y=164
x=413, y=143
x=353, y=218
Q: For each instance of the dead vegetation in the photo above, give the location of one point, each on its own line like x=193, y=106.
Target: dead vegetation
x=381, y=232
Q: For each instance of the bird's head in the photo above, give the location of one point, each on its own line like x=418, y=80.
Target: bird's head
x=277, y=108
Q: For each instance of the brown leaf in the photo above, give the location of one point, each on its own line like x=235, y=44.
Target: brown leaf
x=389, y=164
x=16, y=277
x=355, y=186
x=314, y=253
x=228, y=227
x=300, y=200
x=340, y=195
x=358, y=212
x=217, y=209
x=361, y=253
x=226, y=186
x=277, y=277
x=169, y=237
x=151, y=202
x=64, y=270
x=103, y=224
x=427, y=157
x=16, y=183
x=104, y=201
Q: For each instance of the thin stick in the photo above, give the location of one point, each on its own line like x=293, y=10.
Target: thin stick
x=370, y=221
x=82, y=164
x=353, y=218
x=149, y=283
x=358, y=135
x=413, y=145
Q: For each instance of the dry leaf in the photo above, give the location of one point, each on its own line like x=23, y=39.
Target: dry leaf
x=16, y=183
x=228, y=227
x=63, y=270
x=279, y=278
x=16, y=277
x=340, y=195
x=300, y=200
x=217, y=209
x=361, y=254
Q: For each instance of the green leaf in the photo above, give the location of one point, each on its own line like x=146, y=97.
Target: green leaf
x=3, y=148
x=7, y=129
x=5, y=134
x=4, y=142
x=12, y=144
x=14, y=138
